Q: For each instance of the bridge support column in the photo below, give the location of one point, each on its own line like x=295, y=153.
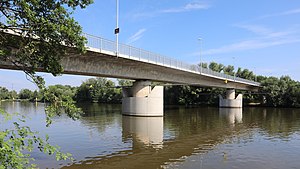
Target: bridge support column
x=231, y=100
x=143, y=100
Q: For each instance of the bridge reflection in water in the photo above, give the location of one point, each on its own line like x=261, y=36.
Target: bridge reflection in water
x=147, y=131
x=222, y=138
x=150, y=147
x=233, y=115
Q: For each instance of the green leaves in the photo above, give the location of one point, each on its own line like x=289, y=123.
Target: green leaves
x=281, y=92
x=61, y=101
x=99, y=90
x=45, y=33
x=14, y=142
x=45, y=30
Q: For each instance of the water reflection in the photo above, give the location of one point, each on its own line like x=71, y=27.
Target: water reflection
x=25, y=108
x=232, y=115
x=145, y=130
x=103, y=138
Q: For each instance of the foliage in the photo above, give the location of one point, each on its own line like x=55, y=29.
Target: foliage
x=61, y=92
x=44, y=31
x=61, y=99
x=20, y=138
x=204, y=65
x=191, y=95
x=13, y=94
x=245, y=74
x=99, y=90
x=25, y=94
x=4, y=93
x=36, y=96
x=275, y=92
x=229, y=70
x=123, y=82
x=281, y=92
x=216, y=67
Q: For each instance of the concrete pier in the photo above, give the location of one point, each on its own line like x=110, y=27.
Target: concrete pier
x=144, y=131
x=231, y=101
x=143, y=100
x=232, y=115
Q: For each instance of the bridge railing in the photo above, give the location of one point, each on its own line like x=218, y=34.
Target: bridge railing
x=147, y=56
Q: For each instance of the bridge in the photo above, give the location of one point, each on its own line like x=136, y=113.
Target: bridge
x=102, y=60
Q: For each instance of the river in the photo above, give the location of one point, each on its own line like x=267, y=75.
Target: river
x=196, y=137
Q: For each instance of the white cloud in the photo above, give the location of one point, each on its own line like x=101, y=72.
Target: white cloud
x=268, y=16
x=265, y=37
x=188, y=7
x=139, y=34
x=249, y=44
x=289, y=12
x=266, y=32
x=193, y=6
x=257, y=29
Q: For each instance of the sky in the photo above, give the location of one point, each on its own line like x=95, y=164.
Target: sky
x=260, y=35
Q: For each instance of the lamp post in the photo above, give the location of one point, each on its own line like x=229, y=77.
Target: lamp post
x=117, y=30
x=200, y=39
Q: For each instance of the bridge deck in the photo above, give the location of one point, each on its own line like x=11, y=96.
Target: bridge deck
x=134, y=63
x=98, y=44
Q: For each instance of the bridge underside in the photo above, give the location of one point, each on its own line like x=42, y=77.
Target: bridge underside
x=110, y=66
x=105, y=65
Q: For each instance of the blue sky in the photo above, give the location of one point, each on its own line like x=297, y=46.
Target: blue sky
x=261, y=35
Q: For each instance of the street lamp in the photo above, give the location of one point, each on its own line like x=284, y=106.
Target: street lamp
x=117, y=30
x=200, y=39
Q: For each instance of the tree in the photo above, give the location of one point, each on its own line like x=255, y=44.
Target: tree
x=229, y=70
x=36, y=96
x=44, y=32
x=123, y=82
x=216, y=67
x=238, y=72
x=61, y=92
x=282, y=92
x=13, y=94
x=246, y=74
x=43, y=29
x=99, y=90
x=4, y=93
x=204, y=65
x=25, y=94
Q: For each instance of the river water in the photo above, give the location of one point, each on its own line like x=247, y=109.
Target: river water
x=186, y=138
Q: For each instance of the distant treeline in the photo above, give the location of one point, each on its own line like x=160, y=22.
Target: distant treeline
x=92, y=90
x=275, y=92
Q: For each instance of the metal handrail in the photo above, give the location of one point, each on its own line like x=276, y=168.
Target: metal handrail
x=134, y=53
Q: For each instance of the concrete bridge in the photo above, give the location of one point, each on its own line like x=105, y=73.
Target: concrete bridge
x=143, y=66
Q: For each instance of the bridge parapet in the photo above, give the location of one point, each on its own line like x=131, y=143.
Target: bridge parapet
x=108, y=47
x=102, y=45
